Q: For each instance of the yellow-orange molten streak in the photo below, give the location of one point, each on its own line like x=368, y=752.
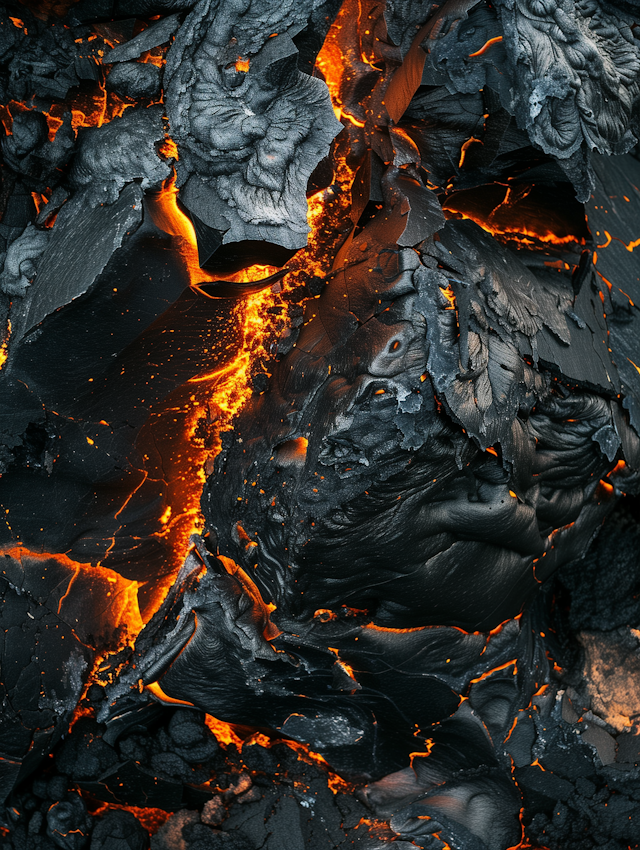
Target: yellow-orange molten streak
x=4, y=346
x=218, y=394
x=331, y=62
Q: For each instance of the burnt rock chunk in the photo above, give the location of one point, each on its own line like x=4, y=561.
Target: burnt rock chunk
x=85, y=755
x=119, y=830
x=549, y=82
x=482, y=370
x=29, y=153
x=68, y=824
x=247, y=152
x=111, y=156
x=19, y=266
x=604, y=599
x=612, y=212
x=68, y=268
x=158, y=33
x=50, y=636
x=135, y=80
x=41, y=58
x=511, y=51
x=93, y=339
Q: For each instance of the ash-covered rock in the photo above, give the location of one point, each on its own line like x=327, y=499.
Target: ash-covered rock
x=118, y=830
x=135, y=80
x=250, y=128
x=605, y=584
x=20, y=262
x=42, y=58
x=111, y=156
x=575, y=99
x=582, y=791
x=256, y=795
x=29, y=153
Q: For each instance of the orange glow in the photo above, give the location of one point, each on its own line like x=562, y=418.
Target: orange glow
x=242, y=65
x=5, y=345
x=522, y=233
x=217, y=396
x=75, y=575
x=605, y=489
x=346, y=667
x=121, y=603
x=451, y=298
x=631, y=245
x=465, y=147
x=8, y=111
x=623, y=292
x=335, y=782
x=637, y=368
x=153, y=57
x=39, y=200
x=605, y=244
x=97, y=109
x=123, y=595
x=80, y=711
x=331, y=62
x=511, y=728
x=157, y=691
x=495, y=40
x=608, y=282
x=167, y=214
x=374, y=628
x=325, y=615
x=228, y=734
x=168, y=149
x=500, y=627
x=422, y=755
x=87, y=110
x=297, y=449
x=271, y=631
x=514, y=213
x=224, y=732
x=619, y=467
x=504, y=666
x=151, y=819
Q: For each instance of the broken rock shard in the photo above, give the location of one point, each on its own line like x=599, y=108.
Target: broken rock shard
x=319, y=425
x=250, y=127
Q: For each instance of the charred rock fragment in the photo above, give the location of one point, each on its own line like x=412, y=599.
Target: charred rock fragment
x=135, y=80
x=250, y=127
x=56, y=614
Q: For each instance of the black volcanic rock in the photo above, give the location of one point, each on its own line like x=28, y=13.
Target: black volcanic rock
x=119, y=830
x=396, y=575
x=135, y=80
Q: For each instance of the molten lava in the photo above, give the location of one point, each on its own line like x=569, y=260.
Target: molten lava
x=524, y=214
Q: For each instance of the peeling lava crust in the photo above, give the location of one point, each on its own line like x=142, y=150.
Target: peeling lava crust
x=171, y=779
x=319, y=424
